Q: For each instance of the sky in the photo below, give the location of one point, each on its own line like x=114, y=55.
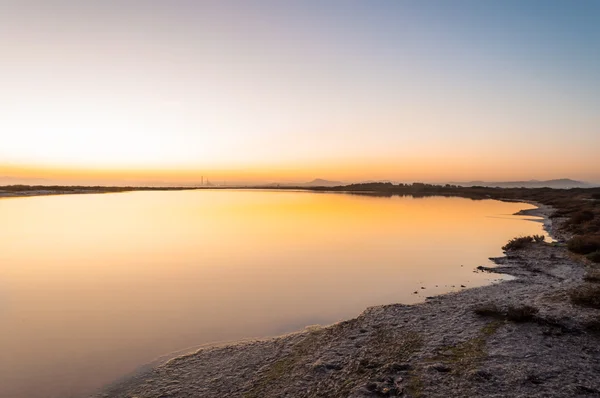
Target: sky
x=261, y=91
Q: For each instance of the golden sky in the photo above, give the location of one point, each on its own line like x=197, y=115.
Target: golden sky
x=152, y=91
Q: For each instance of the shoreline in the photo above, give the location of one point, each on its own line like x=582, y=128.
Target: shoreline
x=48, y=193
x=458, y=344
x=77, y=190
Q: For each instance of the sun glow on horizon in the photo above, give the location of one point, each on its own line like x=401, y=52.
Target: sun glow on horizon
x=247, y=93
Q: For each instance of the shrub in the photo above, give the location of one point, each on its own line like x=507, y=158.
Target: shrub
x=586, y=295
x=594, y=256
x=584, y=244
x=522, y=241
x=581, y=217
x=517, y=243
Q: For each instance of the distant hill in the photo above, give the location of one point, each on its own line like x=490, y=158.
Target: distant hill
x=562, y=183
x=319, y=182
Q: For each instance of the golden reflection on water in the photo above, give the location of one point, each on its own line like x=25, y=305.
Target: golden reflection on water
x=92, y=286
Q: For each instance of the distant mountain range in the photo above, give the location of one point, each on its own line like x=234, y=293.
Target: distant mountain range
x=562, y=183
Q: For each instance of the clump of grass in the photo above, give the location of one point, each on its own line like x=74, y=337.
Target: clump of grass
x=521, y=313
x=489, y=309
x=521, y=242
x=514, y=313
x=594, y=256
x=584, y=244
x=539, y=238
x=586, y=295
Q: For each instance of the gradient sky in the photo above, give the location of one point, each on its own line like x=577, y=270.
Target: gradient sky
x=347, y=90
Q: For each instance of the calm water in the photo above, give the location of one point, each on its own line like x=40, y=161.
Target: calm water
x=92, y=286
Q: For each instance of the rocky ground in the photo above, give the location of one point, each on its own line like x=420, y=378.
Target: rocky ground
x=537, y=335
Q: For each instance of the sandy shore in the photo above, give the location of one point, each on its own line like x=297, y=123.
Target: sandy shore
x=519, y=338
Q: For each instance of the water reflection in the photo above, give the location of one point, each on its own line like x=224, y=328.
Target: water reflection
x=92, y=286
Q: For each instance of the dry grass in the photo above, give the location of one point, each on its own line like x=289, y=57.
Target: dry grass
x=586, y=295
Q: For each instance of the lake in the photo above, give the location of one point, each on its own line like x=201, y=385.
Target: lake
x=93, y=286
